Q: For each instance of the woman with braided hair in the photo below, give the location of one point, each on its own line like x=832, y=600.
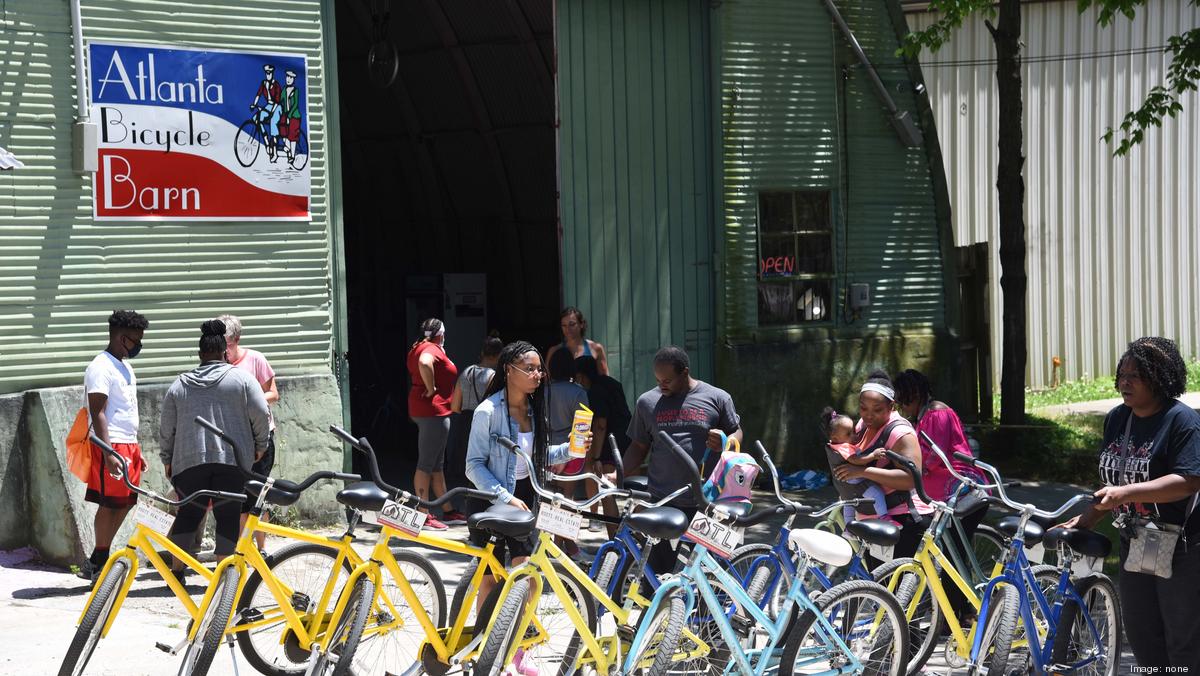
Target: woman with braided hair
x=1150, y=468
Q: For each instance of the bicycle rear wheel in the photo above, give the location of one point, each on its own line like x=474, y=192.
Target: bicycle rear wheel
x=203, y=648
x=94, y=619
x=867, y=619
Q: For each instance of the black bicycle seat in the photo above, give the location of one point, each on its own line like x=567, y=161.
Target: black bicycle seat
x=1083, y=541
x=275, y=496
x=971, y=504
x=505, y=520
x=637, y=483
x=664, y=523
x=737, y=508
x=875, y=531
x=364, y=495
x=1033, y=531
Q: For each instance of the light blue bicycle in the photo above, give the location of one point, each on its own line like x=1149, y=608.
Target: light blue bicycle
x=856, y=627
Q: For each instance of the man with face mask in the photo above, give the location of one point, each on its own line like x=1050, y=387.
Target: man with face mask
x=111, y=391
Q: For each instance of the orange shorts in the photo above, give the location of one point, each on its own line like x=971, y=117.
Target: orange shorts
x=106, y=491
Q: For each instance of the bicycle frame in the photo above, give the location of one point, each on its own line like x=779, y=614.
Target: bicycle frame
x=695, y=574
x=629, y=550
x=1018, y=572
x=142, y=541
x=540, y=567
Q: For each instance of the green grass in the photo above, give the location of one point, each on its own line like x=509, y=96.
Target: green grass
x=1063, y=450
x=1088, y=389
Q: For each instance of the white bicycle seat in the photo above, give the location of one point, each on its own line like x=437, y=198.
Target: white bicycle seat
x=822, y=546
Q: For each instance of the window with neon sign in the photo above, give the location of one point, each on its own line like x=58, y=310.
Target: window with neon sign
x=795, y=257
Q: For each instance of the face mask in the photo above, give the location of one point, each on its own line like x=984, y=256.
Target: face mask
x=135, y=350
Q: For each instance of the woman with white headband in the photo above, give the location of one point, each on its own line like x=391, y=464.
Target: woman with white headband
x=433, y=376
x=881, y=427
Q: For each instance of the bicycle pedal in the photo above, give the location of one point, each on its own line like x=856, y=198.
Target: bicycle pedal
x=163, y=647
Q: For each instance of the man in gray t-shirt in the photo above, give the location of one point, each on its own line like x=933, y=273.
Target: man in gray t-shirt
x=693, y=412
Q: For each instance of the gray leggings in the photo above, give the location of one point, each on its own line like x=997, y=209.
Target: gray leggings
x=431, y=443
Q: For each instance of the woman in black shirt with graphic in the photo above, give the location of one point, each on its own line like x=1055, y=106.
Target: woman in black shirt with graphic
x=1150, y=466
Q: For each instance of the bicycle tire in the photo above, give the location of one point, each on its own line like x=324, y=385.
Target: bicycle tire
x=701, y=623
x=667, y=625
x=927, y=623
x=202, y=649
x=301, y=144
x=891, y=635
x=549, y=655
x=395, y=650
x=1069, y=619
x=348, y=631
x=497, y=645
x=256, y=654
x=994, y=540
x=740, y=564
x=87, y=636
x=248, y=131
x=604, y=575
x=999, y=629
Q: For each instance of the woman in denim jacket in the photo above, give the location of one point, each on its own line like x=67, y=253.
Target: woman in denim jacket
x=514, y=407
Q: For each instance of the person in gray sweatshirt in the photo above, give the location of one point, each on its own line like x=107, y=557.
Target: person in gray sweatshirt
x=193, y=457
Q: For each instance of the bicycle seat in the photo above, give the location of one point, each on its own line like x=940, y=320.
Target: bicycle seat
x=505, y=520
x=971, y=504
x=364, y=495
x=275, y=496
x=822, y=546
x=664, y=523
x=1033, y=531
x=1082, y=541
x=875, y=531
x=637, y=483
x=737, y=508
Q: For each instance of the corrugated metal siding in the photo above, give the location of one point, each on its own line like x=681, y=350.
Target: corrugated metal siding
x=636, y=178
x=1112, y=247
x=786, y=125
x=61, y=273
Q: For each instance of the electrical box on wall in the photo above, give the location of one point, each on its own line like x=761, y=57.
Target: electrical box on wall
x=85, y=143
x=860, y=296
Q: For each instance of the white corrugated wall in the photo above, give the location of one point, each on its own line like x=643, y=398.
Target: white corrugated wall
x=61, y=272
x=1113, y=243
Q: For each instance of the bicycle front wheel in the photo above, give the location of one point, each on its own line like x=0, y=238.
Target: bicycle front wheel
x=866, y=618
x=1078, y=640
x=247, y=143
x=926, y=621
x=662, y=633
x=499, y=642
x=94, y=619
x=393, y=637
x=999, y=628
x=348, y=631
x=204, y=646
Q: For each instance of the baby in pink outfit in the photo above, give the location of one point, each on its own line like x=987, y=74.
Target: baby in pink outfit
x=841, y=450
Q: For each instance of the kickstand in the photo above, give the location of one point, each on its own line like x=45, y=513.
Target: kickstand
x=232, y=654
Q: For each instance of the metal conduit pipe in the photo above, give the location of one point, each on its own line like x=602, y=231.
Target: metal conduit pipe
x=84, y=136
x=80, y=76
x=909, y=134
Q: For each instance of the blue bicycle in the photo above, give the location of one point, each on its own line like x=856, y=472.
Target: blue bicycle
x=856, y=627
x=1072, y=626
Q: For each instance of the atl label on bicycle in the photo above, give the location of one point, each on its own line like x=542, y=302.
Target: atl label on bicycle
x=199, y=134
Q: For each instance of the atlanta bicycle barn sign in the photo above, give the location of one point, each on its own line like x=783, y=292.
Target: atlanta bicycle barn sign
x=199, y=134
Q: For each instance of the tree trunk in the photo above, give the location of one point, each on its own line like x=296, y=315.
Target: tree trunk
x=1010, y=191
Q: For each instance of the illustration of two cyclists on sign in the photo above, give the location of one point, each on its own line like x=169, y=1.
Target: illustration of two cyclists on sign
x=274, y=124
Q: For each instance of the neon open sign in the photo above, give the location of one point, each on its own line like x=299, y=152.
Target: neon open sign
x=772, y=266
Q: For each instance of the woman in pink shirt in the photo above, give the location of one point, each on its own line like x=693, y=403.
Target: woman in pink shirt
x=254, y=363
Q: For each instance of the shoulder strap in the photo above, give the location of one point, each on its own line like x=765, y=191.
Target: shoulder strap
x=881, y=440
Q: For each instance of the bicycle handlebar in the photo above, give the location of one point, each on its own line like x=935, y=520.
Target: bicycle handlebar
x=973, y=483
x=911, y=467
x=1028, y=508
x=557, y=498
x=698, y=492
x=363, y=446
x=144, y=492
x=282, y=484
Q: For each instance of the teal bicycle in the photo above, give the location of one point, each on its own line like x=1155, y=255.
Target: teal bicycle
x=856, y=627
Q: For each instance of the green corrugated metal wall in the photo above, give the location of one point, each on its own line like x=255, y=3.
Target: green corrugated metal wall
x=61, y=273
x=787, y=124
x=636, y=180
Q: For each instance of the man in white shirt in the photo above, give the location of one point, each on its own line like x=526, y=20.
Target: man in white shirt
x=111, y=391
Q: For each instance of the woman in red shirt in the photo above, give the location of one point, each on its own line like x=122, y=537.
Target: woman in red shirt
x=433, y=376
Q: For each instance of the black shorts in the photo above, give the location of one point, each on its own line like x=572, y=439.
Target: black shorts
x=512, y=546
x=263, y=467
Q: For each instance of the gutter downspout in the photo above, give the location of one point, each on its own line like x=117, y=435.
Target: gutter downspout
x=84, y=136
x=908, y=132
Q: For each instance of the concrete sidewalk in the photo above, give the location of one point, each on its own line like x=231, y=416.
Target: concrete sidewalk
x=1102, y=406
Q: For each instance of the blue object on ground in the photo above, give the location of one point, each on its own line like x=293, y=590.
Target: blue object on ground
x=804, y=480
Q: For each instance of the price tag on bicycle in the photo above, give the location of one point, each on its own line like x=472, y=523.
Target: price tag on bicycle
x=718, y=537
x=883, y=553
x=153, y=518
x=558, y=521
x=1036, y=554
x=401, y=517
